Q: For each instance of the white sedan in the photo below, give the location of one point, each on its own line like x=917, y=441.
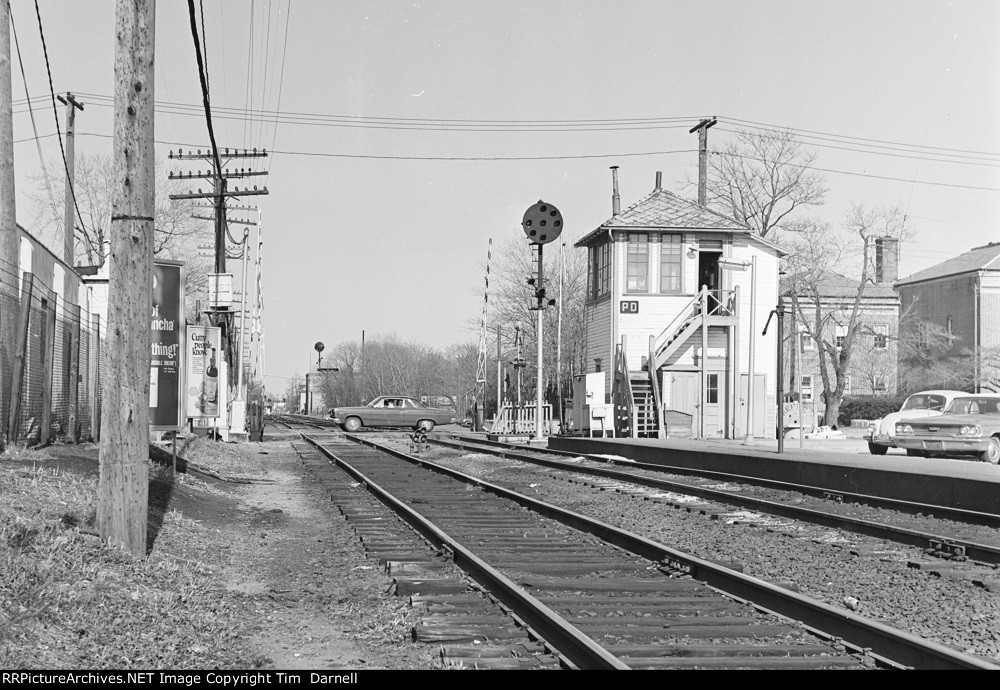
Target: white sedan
x=881, y=434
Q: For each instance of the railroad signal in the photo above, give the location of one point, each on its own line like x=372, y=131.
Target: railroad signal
x=542, y=223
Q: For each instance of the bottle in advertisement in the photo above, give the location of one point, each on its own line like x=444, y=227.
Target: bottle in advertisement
x=212, y=388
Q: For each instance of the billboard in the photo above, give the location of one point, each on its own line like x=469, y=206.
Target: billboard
x=204, y=390
x=167, y=361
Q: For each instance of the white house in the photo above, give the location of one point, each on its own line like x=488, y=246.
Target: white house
x=677, y=298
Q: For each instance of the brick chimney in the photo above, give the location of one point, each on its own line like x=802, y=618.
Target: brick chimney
x=886, y=259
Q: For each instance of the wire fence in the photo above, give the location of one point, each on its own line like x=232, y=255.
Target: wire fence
x=57, y=368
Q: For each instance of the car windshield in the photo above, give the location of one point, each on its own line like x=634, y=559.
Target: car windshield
x=975, y=406
x=924, y=401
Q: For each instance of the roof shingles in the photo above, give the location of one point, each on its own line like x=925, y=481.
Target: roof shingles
x=663, y=209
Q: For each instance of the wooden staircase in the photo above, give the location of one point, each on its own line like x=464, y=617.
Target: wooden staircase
x=646, y=424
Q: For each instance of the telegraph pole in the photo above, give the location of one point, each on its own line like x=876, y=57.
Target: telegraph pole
x=702, y=129
x=9, y=242
x=69, y=213
x=219, y=174
x=124, y=448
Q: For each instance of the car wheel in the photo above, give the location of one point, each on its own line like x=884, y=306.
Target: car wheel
x=992, y=452
x=425, y=425
x=352, y=424
x=876, y=449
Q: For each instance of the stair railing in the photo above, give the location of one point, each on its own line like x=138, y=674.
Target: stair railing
x=621, y=393
x=690, y=309
x=654, y=385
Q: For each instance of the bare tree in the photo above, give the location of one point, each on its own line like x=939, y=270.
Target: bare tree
x=292, y=387
x=832, y=307
x=761, y=178
x=512, y=301
x=931, y=357
x=176, y=228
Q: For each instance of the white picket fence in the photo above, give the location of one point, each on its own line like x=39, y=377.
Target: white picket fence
x=514, y=419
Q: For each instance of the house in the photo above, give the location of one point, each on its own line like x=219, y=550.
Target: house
x=819, y=316
x=677, y=297
x=960, y=299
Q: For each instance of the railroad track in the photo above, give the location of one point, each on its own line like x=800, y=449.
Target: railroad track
x=812, y=506
x=600, y=597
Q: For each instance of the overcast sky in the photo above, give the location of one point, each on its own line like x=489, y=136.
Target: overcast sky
x=405, y=135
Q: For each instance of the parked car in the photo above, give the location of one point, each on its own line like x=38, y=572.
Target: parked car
x=392, y=411
x=970, y=426
x=881, y=435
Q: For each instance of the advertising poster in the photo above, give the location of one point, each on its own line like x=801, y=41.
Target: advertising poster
x=167, y=343
x=204, y=387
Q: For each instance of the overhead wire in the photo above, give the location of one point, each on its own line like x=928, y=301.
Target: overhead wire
x=34, y=124
x=281, y=76
x=633, y=154
x=55, y=113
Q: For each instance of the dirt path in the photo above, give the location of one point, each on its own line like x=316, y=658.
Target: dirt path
x=323, y=603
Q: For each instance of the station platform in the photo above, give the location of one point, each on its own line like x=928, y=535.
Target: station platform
x=961, y=483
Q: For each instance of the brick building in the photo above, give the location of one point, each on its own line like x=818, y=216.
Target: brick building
x=830, y=303
x=952, y=311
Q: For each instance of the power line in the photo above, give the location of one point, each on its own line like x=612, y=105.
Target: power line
x=761, y=125
x=34, y=125
x=634, y=154
x=993, y=163
x=281, y=76
x=69, y=181
x=203, y=77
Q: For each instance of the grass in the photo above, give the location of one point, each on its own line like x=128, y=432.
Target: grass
x=68, y=601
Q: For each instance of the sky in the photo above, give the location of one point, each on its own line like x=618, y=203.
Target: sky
x=404, y=136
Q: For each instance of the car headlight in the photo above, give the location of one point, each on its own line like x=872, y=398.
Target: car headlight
x=904, y=429
x=970, y=430
x=871, y=428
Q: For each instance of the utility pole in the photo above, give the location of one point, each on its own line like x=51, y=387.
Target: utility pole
x=219, y=175
x=702, y=129
x=69, y=213
x=124, y=448
x=9, y=241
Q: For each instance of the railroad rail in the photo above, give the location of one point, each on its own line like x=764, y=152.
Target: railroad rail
x=576, y=566
x=950, y=546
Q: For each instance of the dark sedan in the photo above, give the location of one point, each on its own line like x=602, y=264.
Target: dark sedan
x=970, y=426
x=392, y=411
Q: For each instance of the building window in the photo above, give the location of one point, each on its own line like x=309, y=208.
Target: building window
x=878, y=385
x=599, y=270
x=949, y=326
x=807, y=388
x=881, y=337
x=637, y=272
x=712, y=388
x=808, y=344
x=670, y=263
x=848, y=390
x=840, y=338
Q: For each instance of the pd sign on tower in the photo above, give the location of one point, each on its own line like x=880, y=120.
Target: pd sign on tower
x=542, y=223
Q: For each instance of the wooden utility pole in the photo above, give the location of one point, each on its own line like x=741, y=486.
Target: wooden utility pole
x=702, y=129
x=69, y=213
x=124, y=447
x=9, y=242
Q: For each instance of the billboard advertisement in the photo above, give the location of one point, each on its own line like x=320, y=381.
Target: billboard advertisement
x=167, y=342
x=205, y=384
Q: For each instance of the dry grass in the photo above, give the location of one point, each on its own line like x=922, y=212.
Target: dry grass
x=68, y=601
x=231, y=461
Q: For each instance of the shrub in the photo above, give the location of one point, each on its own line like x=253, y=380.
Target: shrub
x=868, y=407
